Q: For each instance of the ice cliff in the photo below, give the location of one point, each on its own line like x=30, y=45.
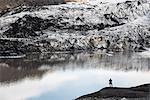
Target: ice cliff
x=68, y=27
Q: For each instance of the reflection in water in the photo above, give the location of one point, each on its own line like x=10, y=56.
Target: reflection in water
x=67, y=76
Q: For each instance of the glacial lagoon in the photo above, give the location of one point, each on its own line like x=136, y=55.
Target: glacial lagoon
x=66, y=76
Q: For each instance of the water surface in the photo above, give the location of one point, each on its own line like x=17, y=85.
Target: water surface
x=65, y=76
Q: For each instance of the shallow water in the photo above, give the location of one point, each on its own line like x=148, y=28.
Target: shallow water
x=65, y=76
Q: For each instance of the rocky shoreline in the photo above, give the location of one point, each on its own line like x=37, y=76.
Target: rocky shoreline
x=141, y=92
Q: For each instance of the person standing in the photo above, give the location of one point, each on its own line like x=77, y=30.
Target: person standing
x=110, y=83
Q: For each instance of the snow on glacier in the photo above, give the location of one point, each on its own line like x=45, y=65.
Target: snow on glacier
x=137, y=22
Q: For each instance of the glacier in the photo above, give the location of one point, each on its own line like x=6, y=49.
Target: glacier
x=112, y=25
